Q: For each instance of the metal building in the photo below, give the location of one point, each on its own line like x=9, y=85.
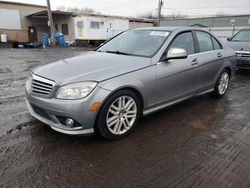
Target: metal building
x=63, y=21
x=92, y=24
x=141, y=22
x=222, y=26
x=26, y=22
x=14, y=22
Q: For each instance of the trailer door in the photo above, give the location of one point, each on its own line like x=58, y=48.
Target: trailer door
x=109, y=32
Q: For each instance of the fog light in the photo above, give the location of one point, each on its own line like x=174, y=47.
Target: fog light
x=69, y=122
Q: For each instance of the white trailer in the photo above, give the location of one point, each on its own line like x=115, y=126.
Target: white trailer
x=98, y=28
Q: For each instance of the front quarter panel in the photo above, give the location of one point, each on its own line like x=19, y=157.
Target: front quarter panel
x=143, y=80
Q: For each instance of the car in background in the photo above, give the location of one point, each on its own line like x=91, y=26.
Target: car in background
x=136, y=73
x=240, y=42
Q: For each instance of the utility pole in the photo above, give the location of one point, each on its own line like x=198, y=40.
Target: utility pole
x=51, y=23
x=233, y=24
x=160, y=4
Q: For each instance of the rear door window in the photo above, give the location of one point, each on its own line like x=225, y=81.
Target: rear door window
x=204, y=41
x=217, y=45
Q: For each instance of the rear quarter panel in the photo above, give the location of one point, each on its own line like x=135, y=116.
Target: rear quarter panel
x=229, y=61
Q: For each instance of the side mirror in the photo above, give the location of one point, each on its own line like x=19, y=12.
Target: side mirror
x=175, y=53
x=229, y=38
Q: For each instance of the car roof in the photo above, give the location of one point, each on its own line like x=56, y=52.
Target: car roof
x=246, y=28
x=175, y=29
x=165, y=28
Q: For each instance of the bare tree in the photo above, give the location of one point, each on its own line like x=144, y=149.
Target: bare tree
x=148, y=15
x=175, y=16
x=220, y=13
x=76, y=9
x=61, y=8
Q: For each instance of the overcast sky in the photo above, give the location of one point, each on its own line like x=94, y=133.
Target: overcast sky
x=139, y=7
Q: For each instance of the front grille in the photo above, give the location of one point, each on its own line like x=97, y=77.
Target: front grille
x=242, y=63
x=41, y=85
x=245, y=54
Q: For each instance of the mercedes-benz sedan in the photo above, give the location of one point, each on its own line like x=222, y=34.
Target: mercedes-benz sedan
x=136, y=73
x=240, y=42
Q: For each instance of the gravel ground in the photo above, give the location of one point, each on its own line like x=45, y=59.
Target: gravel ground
x=203, y=142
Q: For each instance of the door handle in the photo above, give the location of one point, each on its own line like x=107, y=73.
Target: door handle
x=194, y=62
x=219, y=54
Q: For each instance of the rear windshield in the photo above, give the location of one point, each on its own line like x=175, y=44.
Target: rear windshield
x=136, y=42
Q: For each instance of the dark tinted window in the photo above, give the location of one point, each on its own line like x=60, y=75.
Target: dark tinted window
x=94, y=25
x=65, y=29
x=184, y=40
x=217, y=45
x=56, y=27
x=204, y=40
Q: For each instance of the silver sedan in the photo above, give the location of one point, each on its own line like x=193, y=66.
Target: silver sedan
x=138, y=72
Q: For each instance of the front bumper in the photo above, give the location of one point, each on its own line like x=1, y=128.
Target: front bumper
x=243, y=60
x=243, y=63
x=52, y=111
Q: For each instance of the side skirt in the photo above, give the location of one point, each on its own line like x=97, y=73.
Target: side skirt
x=160, y=107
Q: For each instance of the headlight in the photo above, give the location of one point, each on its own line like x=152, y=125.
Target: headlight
x=29, y=83
x=29, y=79
x=76, y=90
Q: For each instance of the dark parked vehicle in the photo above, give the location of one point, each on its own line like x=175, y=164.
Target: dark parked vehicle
x=136, y=73
x=240, y=42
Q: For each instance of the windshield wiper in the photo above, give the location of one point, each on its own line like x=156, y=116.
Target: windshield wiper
x=240, y=40
x=117, y=52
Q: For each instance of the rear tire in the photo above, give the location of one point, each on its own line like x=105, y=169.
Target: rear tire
x=119, y=115
x=222, y=84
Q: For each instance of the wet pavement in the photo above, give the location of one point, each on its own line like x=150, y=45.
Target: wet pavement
x=15, y=65
x=203, y=142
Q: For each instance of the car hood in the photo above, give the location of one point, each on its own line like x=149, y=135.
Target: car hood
x=95, y=66
x=239, y=46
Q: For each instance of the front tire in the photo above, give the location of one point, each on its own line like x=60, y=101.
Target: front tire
x=119, y=115
x=222, y=84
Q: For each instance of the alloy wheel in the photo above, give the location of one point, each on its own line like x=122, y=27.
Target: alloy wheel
x=223, y=83
x=121, y=115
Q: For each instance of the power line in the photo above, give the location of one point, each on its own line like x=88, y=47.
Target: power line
x=186, y=12
x=120, y=4
x=141, y=12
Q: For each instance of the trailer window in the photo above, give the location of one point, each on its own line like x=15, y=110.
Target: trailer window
x=94, y=25
x=80, y=24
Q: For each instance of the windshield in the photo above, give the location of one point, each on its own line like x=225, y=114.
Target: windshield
x=136, y=42
x=243, y=35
